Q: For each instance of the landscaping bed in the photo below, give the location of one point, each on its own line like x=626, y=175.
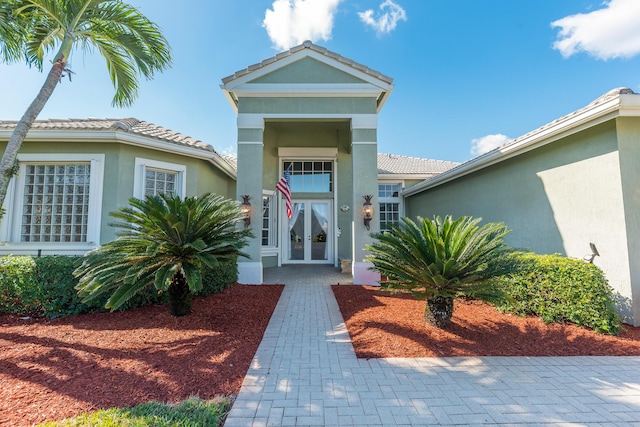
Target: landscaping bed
x=383, y=325
x=53, y=369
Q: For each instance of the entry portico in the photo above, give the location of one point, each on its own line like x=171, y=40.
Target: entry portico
x=314, y=113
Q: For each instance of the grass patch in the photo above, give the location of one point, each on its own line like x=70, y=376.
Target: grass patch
x=192, y=412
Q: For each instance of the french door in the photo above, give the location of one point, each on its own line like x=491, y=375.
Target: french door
x=309, y=233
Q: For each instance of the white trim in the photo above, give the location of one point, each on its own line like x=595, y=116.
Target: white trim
x=590, y=116
x=11, y=225
x=122, y=137
x=139, y=175
x=404, y=176
x=257, y=121
x=364, y=143
x=335, y=212
x=270, y=251
x=273, y=222
x=232, y=85
x=304, y=153
x=312, y=90
x=399, y=199
x=331, y=234
x=250, y=273
x=250, y=121
x=250, y=143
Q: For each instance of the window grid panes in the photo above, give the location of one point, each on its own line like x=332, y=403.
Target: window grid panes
x=55, y=202
x=267, y=232
x=159, y=181
x=310, y=176
x=389, y=215
x=388, y=190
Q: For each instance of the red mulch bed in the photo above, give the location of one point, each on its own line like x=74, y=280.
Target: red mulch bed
x=382, y=325
x=53, y=369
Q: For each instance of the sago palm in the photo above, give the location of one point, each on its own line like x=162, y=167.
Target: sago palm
x=439, y=260
x=30, y=29
x=165, y=242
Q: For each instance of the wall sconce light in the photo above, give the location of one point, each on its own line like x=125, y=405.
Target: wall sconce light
x=367, y=211
x=246, y=210
x=594, y=253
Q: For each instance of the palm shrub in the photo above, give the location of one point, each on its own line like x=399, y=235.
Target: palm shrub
x=439, y=260
x=166, y=242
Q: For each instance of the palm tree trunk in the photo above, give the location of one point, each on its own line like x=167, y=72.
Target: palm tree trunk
x=8, y=166
x=179, y=296
x=438, y=311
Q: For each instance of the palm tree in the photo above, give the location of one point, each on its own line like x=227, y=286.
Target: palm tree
x=165, y=242
x=439, y=260
x=29, y=29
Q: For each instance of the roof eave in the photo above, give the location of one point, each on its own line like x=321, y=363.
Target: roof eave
x=592, y=115
x=119, y=136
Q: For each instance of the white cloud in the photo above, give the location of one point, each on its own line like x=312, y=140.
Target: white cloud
x=487, y=143
x=291, y=22
x=231, y=150
x=386, y=22
x=611, y=32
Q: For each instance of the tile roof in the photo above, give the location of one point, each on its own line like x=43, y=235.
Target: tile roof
x=309, y=45
x=401, y=165
x=128, y=125
x=393, y=164
x=233, y=161
x=613, y=93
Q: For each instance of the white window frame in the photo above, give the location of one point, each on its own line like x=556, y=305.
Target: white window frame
x=272, y=247
x=10, y=227
x=399, y=200
x=141, y=165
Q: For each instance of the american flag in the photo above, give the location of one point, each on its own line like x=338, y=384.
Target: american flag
x=284, y=187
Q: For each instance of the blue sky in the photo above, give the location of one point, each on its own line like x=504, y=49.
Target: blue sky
x=468, y=74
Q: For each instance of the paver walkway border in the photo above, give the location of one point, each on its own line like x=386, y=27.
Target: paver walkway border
x=305, y=373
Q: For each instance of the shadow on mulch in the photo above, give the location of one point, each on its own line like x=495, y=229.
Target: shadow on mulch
x=52, y=369
x=383, y=325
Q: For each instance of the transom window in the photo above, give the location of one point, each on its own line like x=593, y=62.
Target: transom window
x=310, y=176
x=388, y=190
x=55, y=202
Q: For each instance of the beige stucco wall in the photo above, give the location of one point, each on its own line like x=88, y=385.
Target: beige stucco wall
x=556, y=199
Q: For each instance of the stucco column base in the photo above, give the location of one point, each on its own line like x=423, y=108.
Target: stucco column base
x=250, y=273
x=363, y=276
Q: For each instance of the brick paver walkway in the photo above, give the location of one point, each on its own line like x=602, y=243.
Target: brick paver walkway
x=305, y=373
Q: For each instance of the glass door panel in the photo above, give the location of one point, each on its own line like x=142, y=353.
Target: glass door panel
x=309, y=232
x=319, y=229
x=297, y=234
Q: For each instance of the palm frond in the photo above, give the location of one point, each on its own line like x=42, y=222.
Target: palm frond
x=159, y=237
x=439, y=258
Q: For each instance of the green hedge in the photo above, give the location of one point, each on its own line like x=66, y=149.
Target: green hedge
x=559, y=289
x=45, y=286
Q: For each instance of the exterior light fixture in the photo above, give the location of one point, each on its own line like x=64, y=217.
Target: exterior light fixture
x=246, y=210
x=367, y=211
x=594, y=253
